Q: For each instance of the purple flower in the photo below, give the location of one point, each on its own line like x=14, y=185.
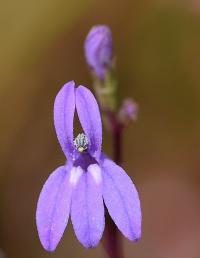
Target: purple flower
x=98, y=49
x=87, y=181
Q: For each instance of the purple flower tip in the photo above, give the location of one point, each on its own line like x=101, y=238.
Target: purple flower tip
x=98, y=49
x=88, y=179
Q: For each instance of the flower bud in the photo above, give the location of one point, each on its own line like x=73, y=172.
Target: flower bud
x=98, y=49
x=128, y=111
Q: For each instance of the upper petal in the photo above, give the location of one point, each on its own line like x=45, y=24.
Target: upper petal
x=64, y=107
x=89, y=115
x=87, y=210
x=122, y=200
x=53, y=208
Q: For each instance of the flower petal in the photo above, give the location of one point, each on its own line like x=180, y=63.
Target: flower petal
x=64, y=108
x=53, y=208
x=87, y=210
x=89, y=115
x=121, y=199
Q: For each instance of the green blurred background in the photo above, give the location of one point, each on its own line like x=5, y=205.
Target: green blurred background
x=157, y=43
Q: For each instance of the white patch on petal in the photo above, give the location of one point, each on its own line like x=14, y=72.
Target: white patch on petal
x=95, y=171
x=75, y=174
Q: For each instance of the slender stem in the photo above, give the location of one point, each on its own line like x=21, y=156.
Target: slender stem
x=117, y=145
x=112, y=240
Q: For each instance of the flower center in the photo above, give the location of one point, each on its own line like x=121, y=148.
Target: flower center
x=81, y=142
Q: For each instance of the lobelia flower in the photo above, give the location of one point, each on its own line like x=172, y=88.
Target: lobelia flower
x=87, y=180
x=98, y=49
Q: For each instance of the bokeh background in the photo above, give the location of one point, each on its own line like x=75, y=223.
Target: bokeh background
x=157, y=43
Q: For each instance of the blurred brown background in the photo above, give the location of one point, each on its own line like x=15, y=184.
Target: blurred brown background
x=157, y=43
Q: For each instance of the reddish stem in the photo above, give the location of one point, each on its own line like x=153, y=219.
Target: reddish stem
x=112, y=240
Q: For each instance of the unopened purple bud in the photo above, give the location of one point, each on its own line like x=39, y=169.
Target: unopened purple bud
x=128, y=111
x=98, y=49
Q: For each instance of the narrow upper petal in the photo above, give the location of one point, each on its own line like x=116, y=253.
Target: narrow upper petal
x=87, y=210
x=53, y=208
x=64, y=108
x=89, y=115
x=122, y=200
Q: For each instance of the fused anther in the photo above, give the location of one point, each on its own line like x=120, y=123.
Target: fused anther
x=81, y=142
